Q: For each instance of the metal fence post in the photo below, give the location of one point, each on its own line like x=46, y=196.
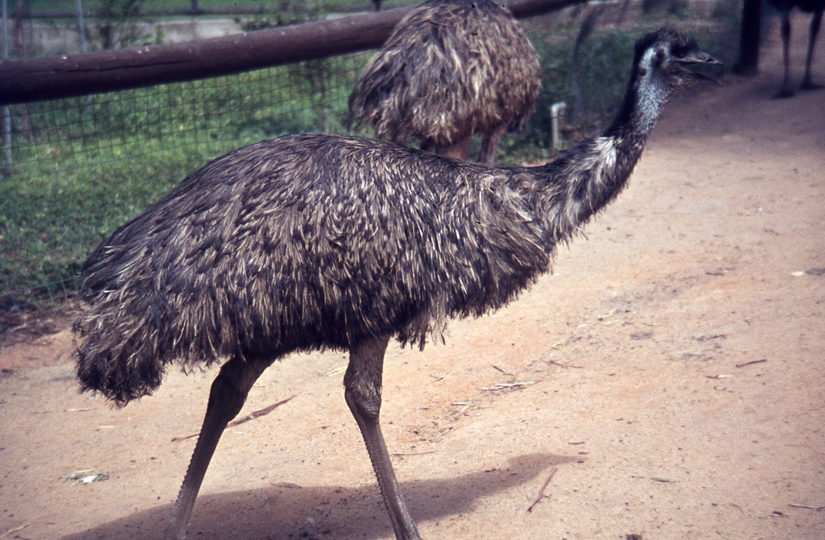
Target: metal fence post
x=6, y=109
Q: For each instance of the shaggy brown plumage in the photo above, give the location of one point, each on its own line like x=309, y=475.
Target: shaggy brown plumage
x=451, y=68
x=317, y=241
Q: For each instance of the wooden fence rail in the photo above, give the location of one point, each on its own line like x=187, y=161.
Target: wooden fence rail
x=187, y=12
x=62, y=76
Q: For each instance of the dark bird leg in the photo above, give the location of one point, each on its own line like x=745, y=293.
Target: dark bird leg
x=459, y=149
x=816, y=20
x=363, y=394
x=489, y=146
x=786, y=91
x=228, y=394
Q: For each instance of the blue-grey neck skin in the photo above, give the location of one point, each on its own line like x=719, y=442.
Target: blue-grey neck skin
x=644, y=100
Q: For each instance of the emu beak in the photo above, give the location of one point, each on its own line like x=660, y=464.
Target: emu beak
x=697, y=59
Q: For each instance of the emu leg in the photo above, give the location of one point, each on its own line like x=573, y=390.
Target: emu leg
x=816, y=20
x=489, y=146
x=362, y=384
x=786, y=90
x=228, y=394
x=459, y=149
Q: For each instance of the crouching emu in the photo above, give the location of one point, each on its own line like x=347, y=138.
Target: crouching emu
x=451, y=68
x=319, y=241
x=816, y=7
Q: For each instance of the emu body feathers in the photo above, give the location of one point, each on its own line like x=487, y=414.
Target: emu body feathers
x=313, y=241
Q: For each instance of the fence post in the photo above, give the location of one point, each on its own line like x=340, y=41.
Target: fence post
x=82, y=29
x=6, y=109
x=748, y=63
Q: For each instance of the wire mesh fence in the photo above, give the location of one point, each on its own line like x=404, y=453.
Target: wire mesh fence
x=80, y=167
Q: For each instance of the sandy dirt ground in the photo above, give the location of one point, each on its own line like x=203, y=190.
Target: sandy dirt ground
x=670, y=374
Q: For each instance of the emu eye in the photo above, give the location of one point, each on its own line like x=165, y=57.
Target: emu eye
x=680, y=51
x=660, y=56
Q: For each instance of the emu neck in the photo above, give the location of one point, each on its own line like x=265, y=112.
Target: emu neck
x=641, y=107
x=588, y=177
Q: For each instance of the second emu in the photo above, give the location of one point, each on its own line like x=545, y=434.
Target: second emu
x=317, y=241
x=451, y=68
x=816, y=8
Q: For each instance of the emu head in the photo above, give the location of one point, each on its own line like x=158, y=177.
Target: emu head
x=662, y=68
x=664, y=58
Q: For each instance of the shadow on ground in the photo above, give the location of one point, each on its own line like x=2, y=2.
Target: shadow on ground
x=326, y=512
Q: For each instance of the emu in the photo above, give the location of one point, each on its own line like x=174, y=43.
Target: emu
x=816, y=7
x=451, y=68
x=319, y=241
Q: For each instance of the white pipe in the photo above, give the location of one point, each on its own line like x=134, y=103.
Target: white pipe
x=80, y=27
x=555, y=113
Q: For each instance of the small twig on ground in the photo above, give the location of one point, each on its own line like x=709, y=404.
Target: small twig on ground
x=413, y=453
x=247, y=418
x=609, y=314
x=179, y=439
x=289, y=485
x=564, y=365
x=81, y=409
x=752, y=362
x=502, y=370
x=808, y=506
x=502, y=386
x=262, y=412
x=439, y=375
x=541, y=491
x=20, y=528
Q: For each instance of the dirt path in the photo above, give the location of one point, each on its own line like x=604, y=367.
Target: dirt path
x=672, y=369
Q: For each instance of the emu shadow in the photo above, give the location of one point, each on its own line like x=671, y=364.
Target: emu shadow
x=327, y=512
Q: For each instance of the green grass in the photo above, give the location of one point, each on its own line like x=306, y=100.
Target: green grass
x=93, y=167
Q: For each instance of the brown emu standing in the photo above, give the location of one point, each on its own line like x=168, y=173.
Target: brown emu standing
x=318, y=241
x=451, y=68
x=816, y=7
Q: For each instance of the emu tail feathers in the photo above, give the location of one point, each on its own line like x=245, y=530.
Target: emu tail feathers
x=114, y=363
